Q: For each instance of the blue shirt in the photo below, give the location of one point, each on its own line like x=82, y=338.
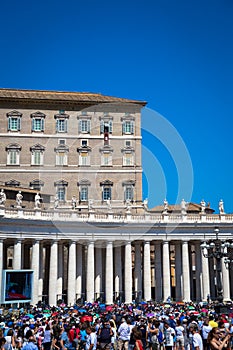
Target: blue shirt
x=30, y=346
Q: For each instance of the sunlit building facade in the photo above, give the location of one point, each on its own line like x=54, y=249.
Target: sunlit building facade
x=92, y=236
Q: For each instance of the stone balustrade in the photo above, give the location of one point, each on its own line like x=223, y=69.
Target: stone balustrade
x=91, y=215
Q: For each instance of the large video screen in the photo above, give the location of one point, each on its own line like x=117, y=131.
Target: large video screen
x=17, y=286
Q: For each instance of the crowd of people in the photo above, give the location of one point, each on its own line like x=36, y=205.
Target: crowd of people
x=143, y=326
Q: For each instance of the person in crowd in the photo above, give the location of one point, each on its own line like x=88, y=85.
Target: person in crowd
x=2, y=343
x=47, y=341
x=83, y=337
x=114, y=334
x=10, y=340
x=196, y=339
x=123, y=335
x=104, y=335
x=152, y=334
x=138, y=339
x=169, y=334
x=206, y=328
x=91, y=343
x=31, y=344
x=179, y=329
x=215, y=340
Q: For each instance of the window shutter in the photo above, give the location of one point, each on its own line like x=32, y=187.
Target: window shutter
x=19, y=123
x=33, y=124
x=101, y=126
x=42, y=124
x=66, y=125
x=88, y=126
x=80, y=126
x=132, y=126
x=9, y=123
x=57, y=125
x=123, y=127
x=110, y=126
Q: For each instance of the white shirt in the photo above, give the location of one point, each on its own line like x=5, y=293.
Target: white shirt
x=197, y=341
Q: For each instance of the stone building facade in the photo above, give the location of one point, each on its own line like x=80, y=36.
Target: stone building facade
x=106, y=245
x=71, y=144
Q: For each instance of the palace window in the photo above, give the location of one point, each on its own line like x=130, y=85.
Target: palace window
x=13, y=154
x=84, y=155
x=84, y=125
x=61, y=190
x=61, y=154
x=106, y=190
x=106, y=124
x=128, y=190
x=83, y=190
x=128, y=155
x=106, y=155
x=128, y=124
x=37, y=154
x=61, y=122
x=38, y=121
x=14, y=121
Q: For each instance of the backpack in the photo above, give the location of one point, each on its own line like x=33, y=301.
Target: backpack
x=160, y=336
x=105, y=333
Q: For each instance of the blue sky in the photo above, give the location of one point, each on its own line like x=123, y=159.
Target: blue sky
x=176, y=55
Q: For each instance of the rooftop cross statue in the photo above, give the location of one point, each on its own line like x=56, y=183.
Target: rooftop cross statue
x=221, y=207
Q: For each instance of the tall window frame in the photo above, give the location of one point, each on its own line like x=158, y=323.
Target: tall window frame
x=13, y=154
x=83, y=190
x=14, y=121
x=84, y=158
x=129, y=187
x=106, y=187
x=37, y=155
x=61, y=187
x=61, y=122
x=128, y=124
x=61, y=151
x=84, y=124
x=38, y=121
x=106, y=155
x=106, y=124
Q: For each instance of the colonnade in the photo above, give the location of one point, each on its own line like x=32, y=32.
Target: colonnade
x=110, y=270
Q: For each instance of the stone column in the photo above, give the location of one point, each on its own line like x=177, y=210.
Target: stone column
x=90, y=272
x=17, y=254
x=60, y=270
x=98, y=272
x=198, y=271
x=138, y=271
x=35, y=264
x=147, y=272
x=158, y=273
x=166, y=271
x=71, y=293
x=178, y=270
x=109, y=273
x=128, y=273
x=225, y=282
x=205, y=278
x=186, y=272
x=79, y=270
x=41, y=271
x=117, y=271
x=53, y=274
